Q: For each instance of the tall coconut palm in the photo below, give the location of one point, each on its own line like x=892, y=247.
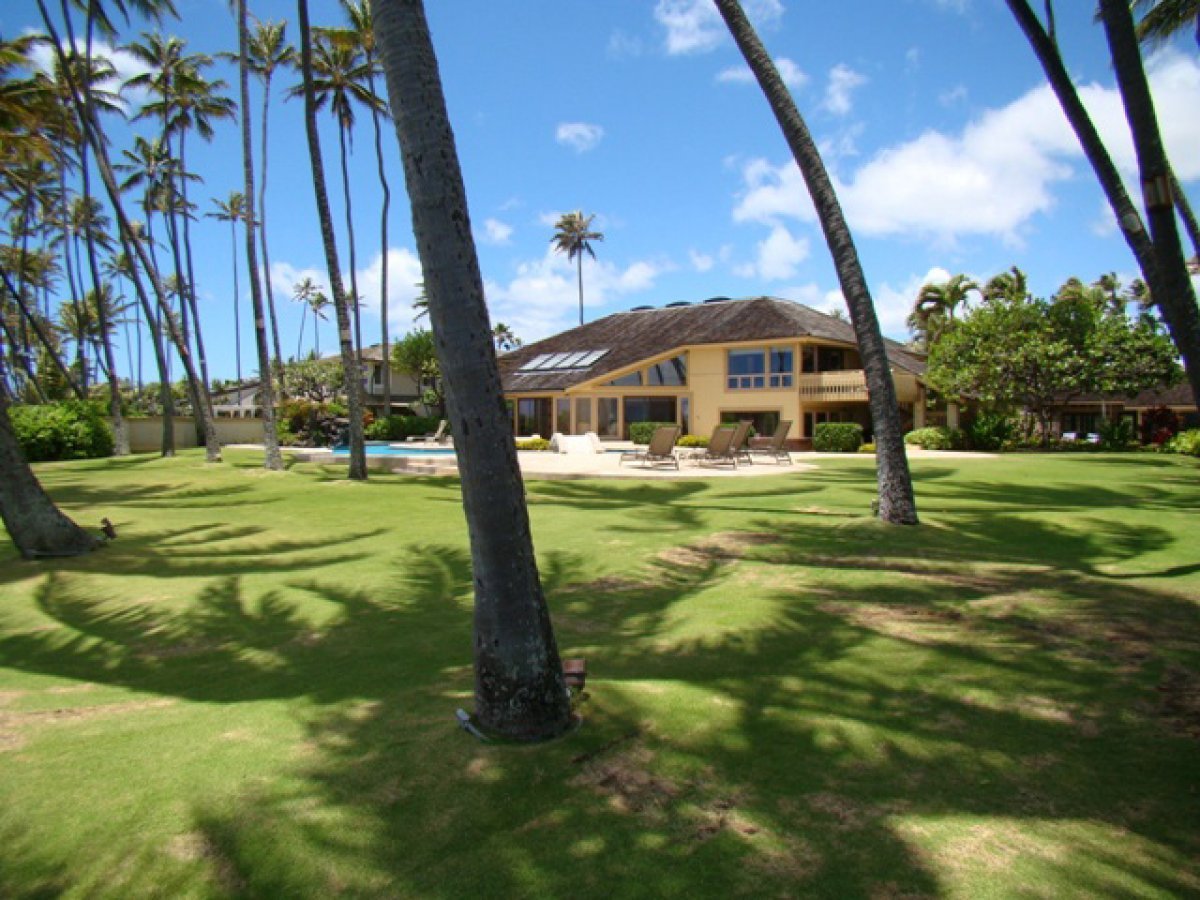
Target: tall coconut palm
x=1179, y=310
x=350, y=360
x=338, y=79
x=303, y=292
x=1160, y=19
x=573, y=236
x=519, y=688
x=359, y=13
x=897, y=504
x=273, y=459
x=233, y=210
x=267, y=51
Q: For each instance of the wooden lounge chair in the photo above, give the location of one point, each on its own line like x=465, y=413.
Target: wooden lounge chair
x=774, y=448
x=438, y=436
x=660, y=450
x=725, y=445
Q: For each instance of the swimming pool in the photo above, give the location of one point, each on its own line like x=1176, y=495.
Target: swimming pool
x=393, y=450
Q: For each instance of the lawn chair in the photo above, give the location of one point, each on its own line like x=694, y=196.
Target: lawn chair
x=773, y=449
x=660, y=450
x=438, y=436
x=724, y=445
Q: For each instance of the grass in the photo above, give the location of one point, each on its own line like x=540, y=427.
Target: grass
x=251, y=692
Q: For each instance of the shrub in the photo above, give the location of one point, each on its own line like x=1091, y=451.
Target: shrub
x=837, y=437
x=1117, y=434
x=1186, y=442
x=641, y=432
x=397, y=428
x=990, y=431
x=937, y=437
x=867, y=448
x=70, y=429
x=533, y=444
x=692, y=440
x=310, y=423
x=1159, y=425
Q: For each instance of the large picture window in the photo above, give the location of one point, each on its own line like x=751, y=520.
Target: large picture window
x=760, y=368
x=668, y=373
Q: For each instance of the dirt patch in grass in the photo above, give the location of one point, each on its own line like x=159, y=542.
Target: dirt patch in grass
x=718, y=547
x=192, y=846
x=1179, y=701
x=15, y=726
x=904, y=621
x=626, y=781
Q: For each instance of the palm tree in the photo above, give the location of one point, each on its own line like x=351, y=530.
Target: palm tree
x=350, y=360
x=233, y=211
x=272, y=459
x=573, y=236
x=1179, y=309
x=935, y=307
x=359, y=13
x=504, y=338
x=1163, y=18
x=338, y=75
x=303, y=292
x=266, y=52
x=897, y=504
x=519, y=687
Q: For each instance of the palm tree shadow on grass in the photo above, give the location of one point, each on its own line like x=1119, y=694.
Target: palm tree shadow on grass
x=797, y=770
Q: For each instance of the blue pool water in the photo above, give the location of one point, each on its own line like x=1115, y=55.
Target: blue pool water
x=383, y=450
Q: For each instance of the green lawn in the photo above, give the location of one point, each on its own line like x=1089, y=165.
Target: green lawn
x=252, y=691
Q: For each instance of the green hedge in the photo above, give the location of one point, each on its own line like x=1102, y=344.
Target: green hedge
x=1186, y=442
x=397, y=428
x=70, y=429
x=837, y=437
x=692, y=440
x=641, y=432
x=936, y=438
x=537, y=443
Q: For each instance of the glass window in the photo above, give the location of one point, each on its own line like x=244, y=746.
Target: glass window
x=763, y=421
x=607, y=411
x=670, y=372
x=633, y=379
x=685, y=414
x=648, y=409
x=746, y=369
x=583, y=415
x=781, y=367
x=809, y=359
x=562, y=416
x=829, y=359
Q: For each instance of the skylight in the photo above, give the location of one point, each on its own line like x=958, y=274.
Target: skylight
x=561, y=362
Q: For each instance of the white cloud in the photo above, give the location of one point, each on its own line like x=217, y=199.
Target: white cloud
x=777, y=257
x=496, y=232
x=125, y=65
x=579, y=136
x=993, y=176
x=542, y=297
x=793, y=76
x=843, y=81
x=404, y=274
x=954, y=95
x=701, y=262
x=893, y=304
x=695, y=26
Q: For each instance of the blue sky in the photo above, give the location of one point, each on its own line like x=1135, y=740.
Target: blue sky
x=949, y=153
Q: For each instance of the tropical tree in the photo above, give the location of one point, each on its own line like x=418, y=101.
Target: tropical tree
x=505, y=338
x=936, y=305
x=1172, y=293
x=266, y=52
x=303, y=292
x=573, y=236
x=350, y=361
x=363, y=31
x=1163, y=18
x=519, y=688
x=897, y=504
x=233, y=210
x=272, y=459
x=415, y=354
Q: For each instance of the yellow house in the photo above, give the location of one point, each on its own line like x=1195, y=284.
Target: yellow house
x=699, y=364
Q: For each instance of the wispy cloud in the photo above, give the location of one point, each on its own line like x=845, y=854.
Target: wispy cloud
x=695, y=26
x=843, y=81
x=579, y=136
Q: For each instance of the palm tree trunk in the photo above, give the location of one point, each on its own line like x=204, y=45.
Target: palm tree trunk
x=1186, y=214
x=353, y=373
x=273, y=461
x=897, y=504
x=200, y=410
x=519, y=688
x=189, y=291
x=385, y=349
x=37, y=527
x=237, y=313
x=30, y=381
x=42, y=336
x=579, y=278
x=354, y=306
x=1183, y=325
x=1180, y=296
x=277, y=367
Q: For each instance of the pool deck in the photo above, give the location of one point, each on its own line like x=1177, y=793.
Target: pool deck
x=543, y=464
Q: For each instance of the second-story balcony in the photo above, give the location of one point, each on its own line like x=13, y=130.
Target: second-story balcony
x=848, y=384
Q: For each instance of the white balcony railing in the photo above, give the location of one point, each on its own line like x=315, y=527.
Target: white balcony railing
x=850, y=384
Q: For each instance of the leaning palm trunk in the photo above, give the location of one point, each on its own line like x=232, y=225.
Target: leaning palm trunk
x=385, y=349
x=35, y=524
x=519, y=688
x=43, y=337
x=354, y=304
x=897, y=504
x=1180, y=296
x=353, y=374
x=1182, y=323
x=1186, y=214
x=277, y=363
x=266, y=391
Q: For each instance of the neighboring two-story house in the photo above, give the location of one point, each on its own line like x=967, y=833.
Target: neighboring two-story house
x=699, y=364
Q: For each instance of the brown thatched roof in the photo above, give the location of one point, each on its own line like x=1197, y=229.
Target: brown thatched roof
x=645, y=333
x=1179, y=395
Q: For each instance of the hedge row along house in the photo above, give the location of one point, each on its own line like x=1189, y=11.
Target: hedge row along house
x=699, y=364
